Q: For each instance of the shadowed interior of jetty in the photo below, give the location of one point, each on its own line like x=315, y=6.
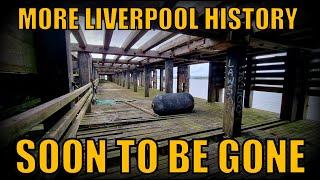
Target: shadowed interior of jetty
x=100, y=84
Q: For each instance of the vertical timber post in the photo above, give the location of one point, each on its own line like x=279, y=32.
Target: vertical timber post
x=183, y=74
x=215, y=81
x=146, y=80
x=161, y=79
x=141, y=78
x=84, y=70
x=294, y=88
x=234, y=86
x=123, y=79
x=169, y=75
x=135, y=81
x=128, y=79
x=154, y=79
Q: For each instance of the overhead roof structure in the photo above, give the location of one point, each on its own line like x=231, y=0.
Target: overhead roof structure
x=128, y=49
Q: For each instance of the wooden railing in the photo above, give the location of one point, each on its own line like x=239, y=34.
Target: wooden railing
x=20, y=124
x=314, y=78
x=262, y=80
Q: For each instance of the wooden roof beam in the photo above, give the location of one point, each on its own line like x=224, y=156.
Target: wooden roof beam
x=120, y=51
x=183, y=39
x=109, y=67
x=98, y=60
x=78, y=34
x=159, y=38
x=106, y=42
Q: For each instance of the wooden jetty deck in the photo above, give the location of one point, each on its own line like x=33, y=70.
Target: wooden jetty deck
x=120, y=120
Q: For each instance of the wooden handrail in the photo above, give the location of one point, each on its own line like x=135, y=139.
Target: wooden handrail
x=72, y=131
x=20, y=124
x=62, y=125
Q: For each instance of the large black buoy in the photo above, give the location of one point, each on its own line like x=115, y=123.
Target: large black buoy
x=173, y=103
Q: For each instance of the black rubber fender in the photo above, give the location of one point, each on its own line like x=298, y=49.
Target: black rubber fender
x=173, y=103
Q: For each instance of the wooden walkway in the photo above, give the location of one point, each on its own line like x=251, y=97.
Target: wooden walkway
x=116, y=119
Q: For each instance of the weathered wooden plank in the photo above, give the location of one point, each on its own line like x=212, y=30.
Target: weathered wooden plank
x=20, y=124
x=268, y=82
x=268, y=89
x=120, y=51
x=62, y=125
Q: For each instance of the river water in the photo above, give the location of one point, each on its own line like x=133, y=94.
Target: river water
x=261, y=100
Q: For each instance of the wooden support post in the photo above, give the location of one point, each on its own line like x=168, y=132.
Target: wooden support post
x=154, y=79
x=84, y=70
x=215, y=81
x=161, y=79
x=123, y=79
x=143, y=78
x=151, y=78
x=146, y=80
x=128, y=79
x=69, y=60
x=294, y=87
x=135, y=80
x=248, y=97
x=140, y=77
x=120, y=79
x=183, y=74
x=94, y=73
x=169, y=75
x=234, y=86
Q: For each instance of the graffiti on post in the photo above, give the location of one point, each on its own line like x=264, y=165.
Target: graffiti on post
x=230, y=82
